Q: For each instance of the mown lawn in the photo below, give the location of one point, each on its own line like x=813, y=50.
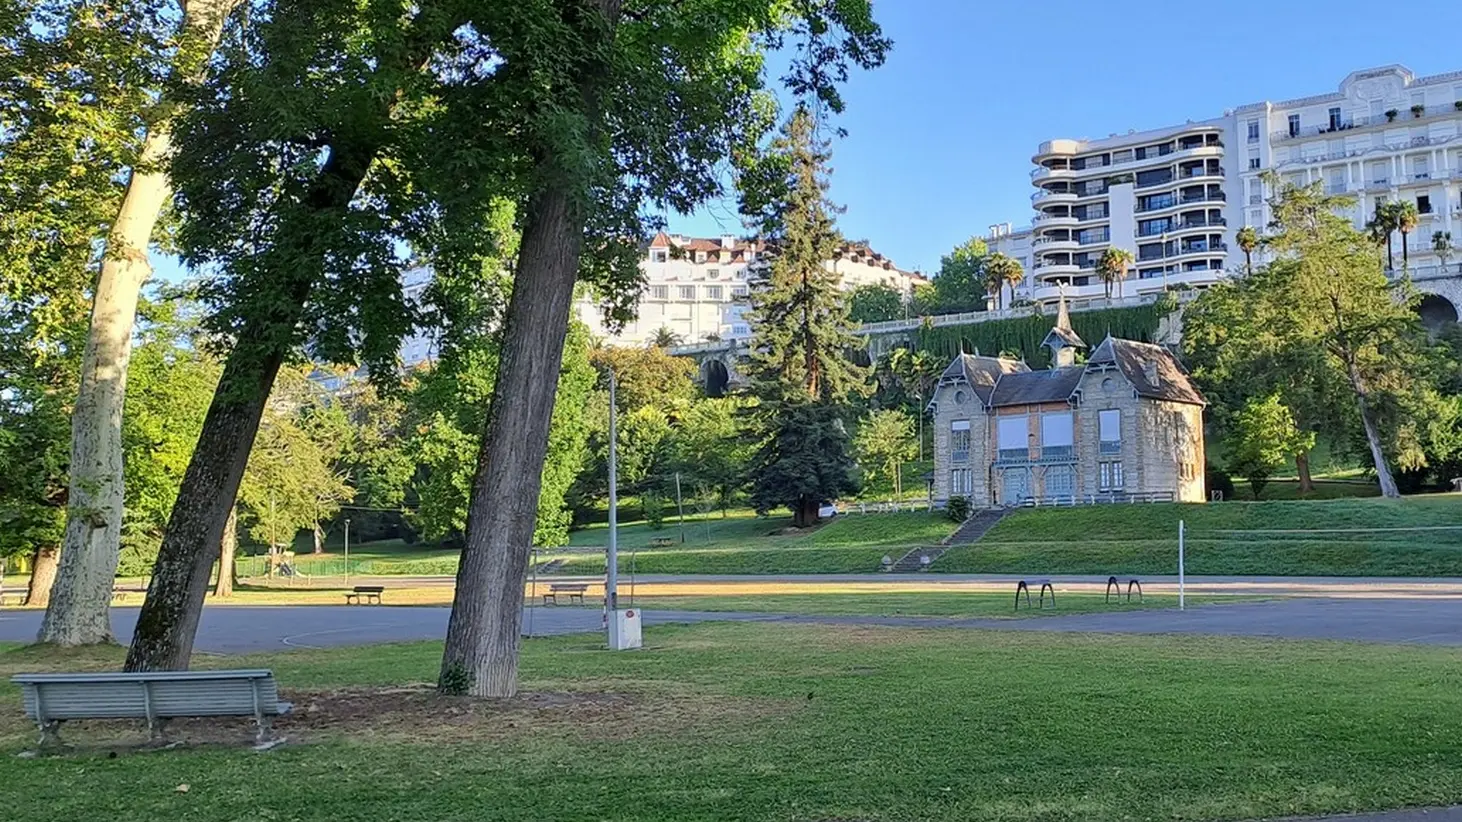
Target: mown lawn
x=781, y=722
x=1227, y=538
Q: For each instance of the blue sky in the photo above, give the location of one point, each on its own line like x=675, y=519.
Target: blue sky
x=940, y=138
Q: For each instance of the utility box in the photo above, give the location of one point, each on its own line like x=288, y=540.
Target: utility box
x=624, y=630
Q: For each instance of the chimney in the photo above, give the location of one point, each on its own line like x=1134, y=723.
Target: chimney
x=1149, y=373
x=727, y=241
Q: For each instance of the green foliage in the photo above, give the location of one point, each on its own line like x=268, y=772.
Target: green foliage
x=645, y=376
x=885, y=441
x=1263, y=438
x=711, y=447
x=653, y=506
x=875, y=303
x=1024, y=334
x=960, y=284
x=957, y=509
x=1002, y=272
x=803, y=461
x=1112, y=268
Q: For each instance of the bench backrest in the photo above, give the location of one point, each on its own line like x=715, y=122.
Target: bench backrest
x=161, y=694
x=370, y=589
x=569, y=586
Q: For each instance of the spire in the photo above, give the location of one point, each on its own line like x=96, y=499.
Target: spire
x=1063, y=341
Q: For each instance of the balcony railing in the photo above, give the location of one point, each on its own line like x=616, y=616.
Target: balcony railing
x=1402, y=117
x=1188, y=174
x=1216, y=221
x=1206, y=248
x=1212, y=196
x=1150, y=183
x=1156, y=205
x=960, y=455
x=1109, y=447
x=1103, y=238
x=1014, y=455
x=1056, y=452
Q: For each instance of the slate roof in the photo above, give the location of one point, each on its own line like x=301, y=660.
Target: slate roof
x=1132, y=358
x=1064, y=336
x=1031, y=387
x=981, y=373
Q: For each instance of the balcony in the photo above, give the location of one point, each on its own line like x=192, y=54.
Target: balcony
x=1190, y=173
x=1156, y=205
x=1048, y=196
x=1092, y=191
x=1094, y=240
x=1403, y=117
x=1052, y=220
x=1013, y=455
x=1152, y=183
x=1043, y=173
x=1202, y=248
x=1154, y=230
x=1110, y=447
x=1210, y=197
x=1044, y=244
x=1202, y=223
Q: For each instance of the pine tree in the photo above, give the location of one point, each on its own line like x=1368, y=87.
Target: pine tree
x=800, y=369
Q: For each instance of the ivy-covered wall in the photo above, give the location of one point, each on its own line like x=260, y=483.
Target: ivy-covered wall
x=1024, y=334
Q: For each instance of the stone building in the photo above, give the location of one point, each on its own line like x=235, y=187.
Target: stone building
x=1126, y=424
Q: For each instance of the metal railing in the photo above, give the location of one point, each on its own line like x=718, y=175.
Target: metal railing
x=1402, y=116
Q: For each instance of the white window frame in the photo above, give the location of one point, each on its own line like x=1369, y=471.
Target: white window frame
x=713, y=292
x=659, y=255
x=1118, y=483
x=659, y=292
x=1006, y=433
x=686, y=292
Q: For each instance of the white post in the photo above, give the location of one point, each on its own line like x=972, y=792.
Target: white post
x=1182, y=604
x=611, y=577
x=347, y=553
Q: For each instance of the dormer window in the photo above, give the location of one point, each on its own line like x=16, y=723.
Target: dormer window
x=659, y=255
x=700, y=256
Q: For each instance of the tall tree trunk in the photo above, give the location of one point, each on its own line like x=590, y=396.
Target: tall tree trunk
x=1405, y=253
x=42, y=576
x=481, y=655
x=807, y=512
x=319, y=539
x=1390, y=255
x=228, y=547
x=79, y=611
x=1302, y=467
x=1378, y=457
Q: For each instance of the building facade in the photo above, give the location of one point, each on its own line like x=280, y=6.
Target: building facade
x=1175, y=197
x=697, y=288
x=1125, y=425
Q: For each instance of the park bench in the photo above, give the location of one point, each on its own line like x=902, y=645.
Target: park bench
x=364, y=594
x=662, y=542
x=10, y=596
x=1115, y=583
x=571, y=590
x=156, y=697
x=120, y=592
x=1042, y=585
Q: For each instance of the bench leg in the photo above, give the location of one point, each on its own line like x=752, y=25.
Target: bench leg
x=1112, y=582
x=50, y=734
x=156, y=729
x=263, y=729
x=1043, y=595
x=1139, y=590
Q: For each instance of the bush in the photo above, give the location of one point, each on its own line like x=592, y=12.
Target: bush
x=958, y=508
x=1217, y=479
x=654, y=509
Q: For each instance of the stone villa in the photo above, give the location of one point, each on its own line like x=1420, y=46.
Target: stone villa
x=1127, y=424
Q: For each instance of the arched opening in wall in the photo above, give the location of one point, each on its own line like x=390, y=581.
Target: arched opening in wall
x=1436, y=312
x=715, y=378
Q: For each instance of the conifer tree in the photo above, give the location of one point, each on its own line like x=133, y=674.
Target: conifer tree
x=800, y=369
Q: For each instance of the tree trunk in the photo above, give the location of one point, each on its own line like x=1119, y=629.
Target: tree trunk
x=1405, y=253
x=79, y=613
x=42, y=576
x=1390, y=255
x=319, y=539
x=1378, y=457
x=806, y=514
x=1302, y=467
x=228, y=546
x=481, y=654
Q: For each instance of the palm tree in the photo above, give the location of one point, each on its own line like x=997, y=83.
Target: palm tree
x=1112, y=268
x=1248, y=240
x=1002, y=271
x=1382, y=224
x=1442, y=244
x=664, y=338
x=1407, y=219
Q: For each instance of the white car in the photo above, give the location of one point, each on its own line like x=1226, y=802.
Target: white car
x=827, y=510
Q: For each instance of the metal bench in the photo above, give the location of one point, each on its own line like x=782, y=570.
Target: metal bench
x=571, y=590
x=1043, y=585
x=155, y=697
x=364, y=594
x=1115, y=583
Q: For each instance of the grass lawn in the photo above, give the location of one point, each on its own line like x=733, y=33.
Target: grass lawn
x=1142, y=539
x=783, y=722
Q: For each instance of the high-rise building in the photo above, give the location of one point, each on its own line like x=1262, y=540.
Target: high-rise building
x=1174, y=197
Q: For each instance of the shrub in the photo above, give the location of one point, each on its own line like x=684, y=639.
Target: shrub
x=654, y=508
x=958, y=508
x=1217, y=479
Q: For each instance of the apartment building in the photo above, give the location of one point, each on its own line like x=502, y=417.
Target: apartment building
x=1385, y=135
x=1174, y=197
x=697, y=288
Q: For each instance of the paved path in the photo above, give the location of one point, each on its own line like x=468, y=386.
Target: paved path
x=1413, y=815
x=242, y=629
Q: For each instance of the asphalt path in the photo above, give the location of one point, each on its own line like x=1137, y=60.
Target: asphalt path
x=247, y=629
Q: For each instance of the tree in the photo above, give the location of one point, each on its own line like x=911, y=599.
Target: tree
x=79, y=611
x=1112, y=268
x=1329, y=292
x=924, y=300
x=1442, y=245
x=1382, y=225
x=1002, y=271
x=665, y=338
x=1407, y=219
x=710, y=448
x=1248, y=240
x=875, y=303
x=799, y=366
x=645, y=376
x=960, y=284
x=1263, y=438
x=885, y=441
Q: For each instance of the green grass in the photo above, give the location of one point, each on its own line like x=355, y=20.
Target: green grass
x=1142, y=539
x=780, y=722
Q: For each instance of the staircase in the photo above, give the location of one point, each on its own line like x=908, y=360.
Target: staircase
x=976, y=526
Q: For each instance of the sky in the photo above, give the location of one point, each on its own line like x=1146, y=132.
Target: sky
x=940, y=137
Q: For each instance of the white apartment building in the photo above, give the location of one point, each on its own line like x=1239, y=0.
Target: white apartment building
x=697, y=288
x=1386, y=135
x=1175, y=196
x=1014, y=243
